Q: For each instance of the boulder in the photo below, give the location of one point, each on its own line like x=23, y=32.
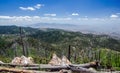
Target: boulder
x=65, y=61
x=16, y=60
x=55, y=60
x=22, y=60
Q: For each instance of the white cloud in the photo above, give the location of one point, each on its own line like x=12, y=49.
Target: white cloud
x=37, y=6
x=114, y=16
x=50, y=14
x=75, y=14
x=59, y=19
x=27, y=8
x=36, y=17
x=5, y=17
x=27, y=20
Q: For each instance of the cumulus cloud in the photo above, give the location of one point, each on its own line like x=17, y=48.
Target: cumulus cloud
x=27, y=8
x=50, y=14
x=114, y=16
x=75, y=14
x=37, y=6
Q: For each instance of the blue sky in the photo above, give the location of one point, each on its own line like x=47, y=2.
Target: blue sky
x=59, y=11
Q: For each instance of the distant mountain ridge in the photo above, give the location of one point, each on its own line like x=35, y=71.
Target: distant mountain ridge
x=111, y=29
x=68, y=27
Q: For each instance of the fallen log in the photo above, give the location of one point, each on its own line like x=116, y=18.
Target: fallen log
x=3, y=69
x=81, y=70
x=58, y=67
x=48, y=66
x=86, y=65
x=20, y=65
x=14, y=70
x=35, y=66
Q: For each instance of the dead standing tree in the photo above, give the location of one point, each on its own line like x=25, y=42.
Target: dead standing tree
x=25, y=53
x=69, y=52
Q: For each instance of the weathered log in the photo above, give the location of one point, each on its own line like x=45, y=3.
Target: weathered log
x=34, y=65
x=86, y=65
x=3, y=69
x=47, y=66
x=81, y=70
x=20, y=65
x=14, y=70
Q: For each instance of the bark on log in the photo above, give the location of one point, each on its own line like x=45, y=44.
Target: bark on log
x=81, y=70
x=86, y=65
x=46, y=66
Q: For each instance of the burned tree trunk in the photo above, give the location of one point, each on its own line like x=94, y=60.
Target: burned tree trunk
x=69, y=52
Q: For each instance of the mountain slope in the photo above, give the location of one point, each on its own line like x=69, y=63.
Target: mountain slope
x=57, y=37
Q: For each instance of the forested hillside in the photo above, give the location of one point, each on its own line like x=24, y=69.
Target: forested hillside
x=42, y=43
x=16, y=30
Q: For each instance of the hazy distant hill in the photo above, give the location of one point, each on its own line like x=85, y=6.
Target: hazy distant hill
x=111, y=29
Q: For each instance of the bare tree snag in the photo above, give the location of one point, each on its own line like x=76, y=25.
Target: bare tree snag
x=22, y=42
x=69, y=53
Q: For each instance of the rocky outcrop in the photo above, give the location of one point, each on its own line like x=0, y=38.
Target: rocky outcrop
x=22, y=60
x=57, y=61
